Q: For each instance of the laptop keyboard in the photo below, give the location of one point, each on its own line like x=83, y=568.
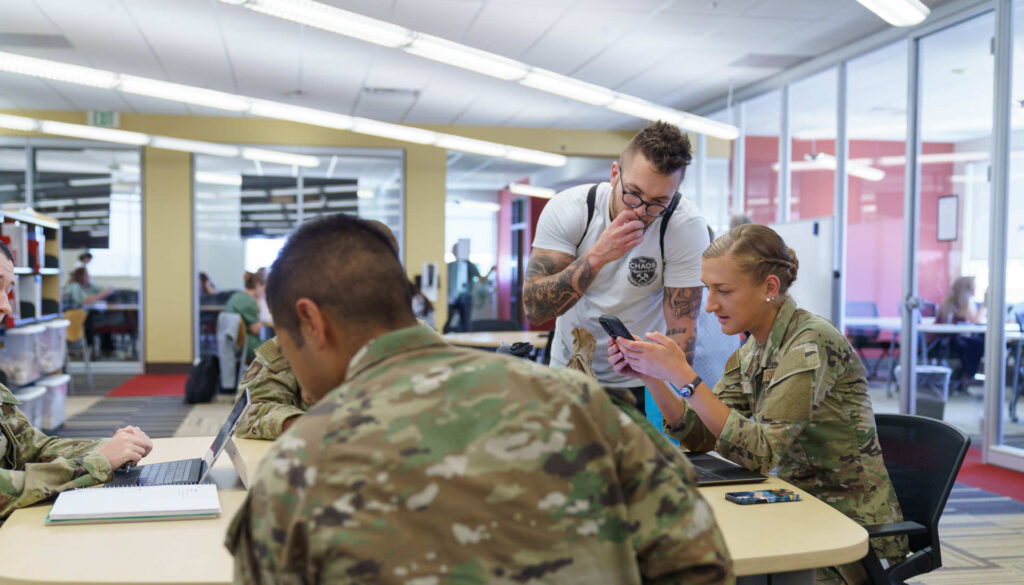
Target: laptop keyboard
x=706, y=475
x=182, y=471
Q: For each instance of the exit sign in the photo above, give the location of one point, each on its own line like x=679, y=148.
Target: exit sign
x=104, y=118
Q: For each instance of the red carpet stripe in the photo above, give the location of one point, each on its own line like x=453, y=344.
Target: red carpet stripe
x=152, y=385
x=999, y=480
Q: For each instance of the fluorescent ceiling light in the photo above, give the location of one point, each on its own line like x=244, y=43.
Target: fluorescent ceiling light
x=93, y=133
x=568, y=87
x=458, y=55
x=898, y=12
x=87, y=222
x=92, y=183
x=92, y=201
x=333, y=19
x=470, y=145
x=18, y=123
x=196, y=146
x=267, y=216
x=211, y=178
x=538, y=157
x=824, y=161
x=59, y=214
x=393, y=131
x=261, y=207
x=57, y=71
x=95, y=213
x=531, y=190
x=47, y=203
x=421, y=44
x=267, y=109
x=342, y=203
x=365, y=194
x=276, y=156
x=183, y=93
x=340, y=188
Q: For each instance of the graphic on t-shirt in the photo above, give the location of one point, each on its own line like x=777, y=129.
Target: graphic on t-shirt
x=642, y=270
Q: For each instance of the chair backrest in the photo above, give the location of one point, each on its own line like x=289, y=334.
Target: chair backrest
x=923, y=457
x=76, y=329
x=862, y=309
x=494, y=325
x=929, y=309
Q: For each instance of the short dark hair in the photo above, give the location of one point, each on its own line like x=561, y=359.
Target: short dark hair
x=85, y=255
x=667, y=147
x=6, y=252
x=348, y=268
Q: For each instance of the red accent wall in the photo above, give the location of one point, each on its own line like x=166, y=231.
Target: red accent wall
x=875, y=231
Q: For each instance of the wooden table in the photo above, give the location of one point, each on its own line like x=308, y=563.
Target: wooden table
x=788, y=540
x=183, y=551
x=492, y=339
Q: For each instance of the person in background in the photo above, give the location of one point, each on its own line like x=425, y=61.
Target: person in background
x=425, y=463
x=84, y=259
x=265, y=316
x=462, y=275
x=793, y=399
x=245, y=304
x=36, y=466
x=81, y=291
x=624, y=261
x=422, y=308
x=958, y=307
x=206, y=286
x=739, y=219
x=276, y=398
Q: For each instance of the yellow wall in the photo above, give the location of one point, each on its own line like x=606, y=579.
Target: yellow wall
x=167, y=200
x=167, y=273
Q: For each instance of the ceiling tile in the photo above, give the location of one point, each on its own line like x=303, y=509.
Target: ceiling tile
x=23, y=16
x=501, y=29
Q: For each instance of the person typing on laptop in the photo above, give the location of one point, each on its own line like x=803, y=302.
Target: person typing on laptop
x=793, y=398
x=36, y=466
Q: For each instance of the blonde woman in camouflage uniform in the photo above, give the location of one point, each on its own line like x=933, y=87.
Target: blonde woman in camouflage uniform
x=35, y=466
x=793, y=398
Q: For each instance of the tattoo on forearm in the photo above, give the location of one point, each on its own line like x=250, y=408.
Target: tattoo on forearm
x=547, y=293
x=689, y=348
x=683, y=302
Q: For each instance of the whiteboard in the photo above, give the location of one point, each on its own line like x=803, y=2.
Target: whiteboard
x=812, y=240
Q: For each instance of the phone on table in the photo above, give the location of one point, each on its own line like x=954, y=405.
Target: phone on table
x=763, y=496
x=614, y=327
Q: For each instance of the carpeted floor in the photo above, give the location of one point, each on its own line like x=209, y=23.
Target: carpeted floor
x=159, y=416
x=152, y=385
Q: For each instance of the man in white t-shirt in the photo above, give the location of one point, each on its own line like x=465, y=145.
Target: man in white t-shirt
x=615, y=263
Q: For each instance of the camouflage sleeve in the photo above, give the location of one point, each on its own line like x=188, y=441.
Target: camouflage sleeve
x=50, y=465
x=690, y=431
x=800, y=380
x=274, y=393
x=674, y=530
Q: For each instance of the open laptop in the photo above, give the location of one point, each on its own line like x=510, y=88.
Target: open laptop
x=184, y=470
x=713, y=470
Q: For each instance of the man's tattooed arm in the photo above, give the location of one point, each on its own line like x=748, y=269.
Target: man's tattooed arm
x=555, y=281
x=682, y=306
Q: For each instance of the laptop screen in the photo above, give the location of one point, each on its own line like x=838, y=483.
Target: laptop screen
x=226, y=429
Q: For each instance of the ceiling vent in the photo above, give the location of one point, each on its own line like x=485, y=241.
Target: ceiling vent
x=766, y=61
x=34, y=41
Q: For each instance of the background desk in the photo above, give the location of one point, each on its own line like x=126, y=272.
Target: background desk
x=789, y=540
x=183, y=551
x=492, y=339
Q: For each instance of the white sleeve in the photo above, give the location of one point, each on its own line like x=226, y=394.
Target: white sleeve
x=685, y=240
x=561, y=223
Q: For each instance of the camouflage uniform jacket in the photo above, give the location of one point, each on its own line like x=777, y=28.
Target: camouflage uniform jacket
x=433, y=465
x=274, y=393
x=800, y=405
x=36, y=466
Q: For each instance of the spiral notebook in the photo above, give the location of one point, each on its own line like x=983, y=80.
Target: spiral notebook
x=135, y=504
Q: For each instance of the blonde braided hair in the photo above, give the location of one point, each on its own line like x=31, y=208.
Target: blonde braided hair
x=759, y=252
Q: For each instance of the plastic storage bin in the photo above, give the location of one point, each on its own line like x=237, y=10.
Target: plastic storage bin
x=19, y=354
x=55, y=401
x=53, y=345
x=31, y=398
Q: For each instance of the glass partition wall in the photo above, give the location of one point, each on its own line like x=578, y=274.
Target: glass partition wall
x=932, y=212
x=245, y=209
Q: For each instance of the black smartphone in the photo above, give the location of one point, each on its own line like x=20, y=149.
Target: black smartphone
x=763, y=496
x=614, y=327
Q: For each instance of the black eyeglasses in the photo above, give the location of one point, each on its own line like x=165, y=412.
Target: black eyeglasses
x=634, y=200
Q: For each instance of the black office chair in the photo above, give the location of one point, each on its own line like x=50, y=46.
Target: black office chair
x=866, y=337
x=1018, y=370
x=495, y=325
x=923, y=457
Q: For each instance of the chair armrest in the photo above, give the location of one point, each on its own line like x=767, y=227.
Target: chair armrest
x=894, y=529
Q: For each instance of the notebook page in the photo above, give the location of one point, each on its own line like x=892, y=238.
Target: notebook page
x=136, y=501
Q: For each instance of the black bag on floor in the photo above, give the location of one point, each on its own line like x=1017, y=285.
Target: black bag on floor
x=203, y=380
